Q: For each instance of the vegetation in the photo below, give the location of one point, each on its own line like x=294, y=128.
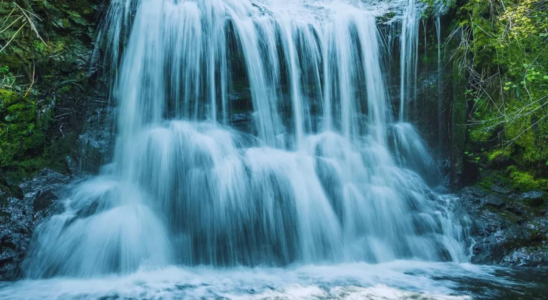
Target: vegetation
x=45, y=48
x=504, y=53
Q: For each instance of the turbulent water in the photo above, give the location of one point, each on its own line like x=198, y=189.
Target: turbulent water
x=396, y=280
x=323, y=172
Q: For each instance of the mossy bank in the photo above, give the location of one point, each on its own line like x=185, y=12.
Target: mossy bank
x=48, y=82
x=50, y=89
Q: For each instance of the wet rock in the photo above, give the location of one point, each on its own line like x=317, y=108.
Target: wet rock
x=518, y=210
x=528, y=256
x=534, y=198
x=507, y=230
x=501, y=190
x=96, y=143
x=88, y=210
x=7, y=189
x=15, y=220
x=493, y=201
x=242, y=121
x=43, y=199
x=19, y=217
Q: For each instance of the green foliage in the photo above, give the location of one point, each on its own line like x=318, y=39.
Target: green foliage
x=526, y=181
x=21, y=131
x=518, y=179
x=504, y=48
x=43, y=80
x=499, y=154
x=7, y=79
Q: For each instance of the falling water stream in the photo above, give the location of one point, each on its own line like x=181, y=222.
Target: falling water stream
x=439, y=81
x=322, y=196
x=408, y=57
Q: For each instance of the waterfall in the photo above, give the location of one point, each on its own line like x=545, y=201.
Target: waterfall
x=321, y=175
x=409, y=44
x=439, y=81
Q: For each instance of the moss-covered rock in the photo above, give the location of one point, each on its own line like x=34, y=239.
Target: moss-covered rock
x=503, y=48
x=21, y=128
x=48, y=85
x=47, y=79
x=526, y=180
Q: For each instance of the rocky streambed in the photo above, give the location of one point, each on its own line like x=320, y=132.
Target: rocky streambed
x=22, y=208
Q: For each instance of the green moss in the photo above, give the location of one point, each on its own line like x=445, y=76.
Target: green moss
x=24, y=147
x=505, y=51
x=21, y=134
x=499, y=154
x=526, y=181
x=8, y=98
x=480, y=135
x=494, y=178
x=486, y=184
x=38, y=125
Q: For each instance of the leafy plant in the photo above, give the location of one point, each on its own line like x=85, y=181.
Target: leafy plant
x=504, y=53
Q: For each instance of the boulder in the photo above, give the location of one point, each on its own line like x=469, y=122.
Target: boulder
x=509, y=228
x=20, y=216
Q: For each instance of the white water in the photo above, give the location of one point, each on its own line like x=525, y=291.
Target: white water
x=439, y=81
x=323, y=176
x=388, y=281
x=409, y=43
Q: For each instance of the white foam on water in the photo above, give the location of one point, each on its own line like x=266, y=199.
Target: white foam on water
x=394, y=280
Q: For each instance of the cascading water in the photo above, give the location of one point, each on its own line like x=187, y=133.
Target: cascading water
x=408, y=58
x=314, y=180
x=410, y=150
x=439, y=81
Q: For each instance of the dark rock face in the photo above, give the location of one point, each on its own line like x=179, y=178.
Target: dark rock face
x=242, y=121
x=508, y=228
x=20, y=215
x=95, y=144
x=43, y=200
